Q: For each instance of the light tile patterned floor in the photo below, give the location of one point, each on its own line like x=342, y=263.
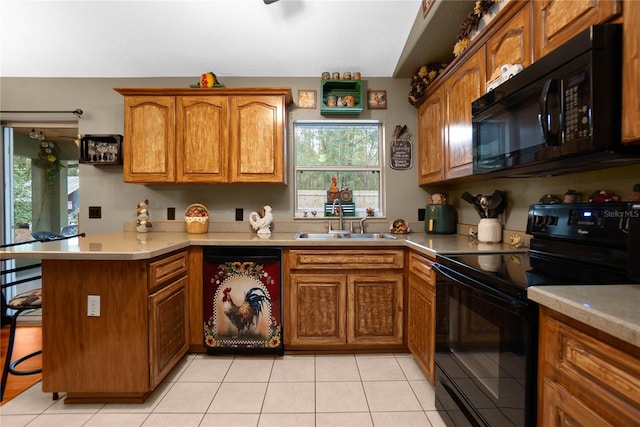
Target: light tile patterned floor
x=321, y=390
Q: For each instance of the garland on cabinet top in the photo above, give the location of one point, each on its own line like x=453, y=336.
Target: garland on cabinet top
x=471, y=24
x=427, y=73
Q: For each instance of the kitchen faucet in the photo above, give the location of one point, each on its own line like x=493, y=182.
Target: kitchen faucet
x=362, y=221
x=333, y=211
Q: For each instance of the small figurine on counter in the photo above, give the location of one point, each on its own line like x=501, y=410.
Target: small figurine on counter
x=142, y=217
x=603, y=196
x=515, y=240
x=261, y=220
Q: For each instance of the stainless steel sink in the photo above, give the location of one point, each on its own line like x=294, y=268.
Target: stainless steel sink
x=352, y=236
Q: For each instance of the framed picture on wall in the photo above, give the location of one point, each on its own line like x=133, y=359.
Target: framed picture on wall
x=307, y=98
x=426, y=7
x=377, y=99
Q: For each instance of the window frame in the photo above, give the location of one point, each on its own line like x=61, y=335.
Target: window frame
x=380, y=168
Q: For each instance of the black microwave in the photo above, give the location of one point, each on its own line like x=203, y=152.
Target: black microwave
x=634, y=241
x=561, y=114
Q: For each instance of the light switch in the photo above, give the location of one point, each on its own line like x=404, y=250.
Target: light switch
x=93, y=305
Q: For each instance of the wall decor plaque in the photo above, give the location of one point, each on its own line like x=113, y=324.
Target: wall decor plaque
x=401, y=154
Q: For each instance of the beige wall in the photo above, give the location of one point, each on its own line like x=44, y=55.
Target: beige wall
x=104, y=186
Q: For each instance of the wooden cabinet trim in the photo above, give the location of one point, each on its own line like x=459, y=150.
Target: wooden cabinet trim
x=421, y=266
x=254, y=91
x=346, y=259
x=167, y=269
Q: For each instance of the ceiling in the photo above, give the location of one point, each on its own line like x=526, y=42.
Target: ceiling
x=232, y=38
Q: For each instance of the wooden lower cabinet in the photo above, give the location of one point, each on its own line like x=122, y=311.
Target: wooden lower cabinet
x=168, y=329
x=585, y=377
x=140, y=335
x=343, y=299
x=421, y=313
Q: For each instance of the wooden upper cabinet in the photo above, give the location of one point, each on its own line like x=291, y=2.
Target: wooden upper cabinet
x=557, y=21
x=202, y=139
x=149, y=123
x=463, y=87
x=431, y=127
x=257, y=139
x=511, y=43
x=631, y=72
x=220, y=135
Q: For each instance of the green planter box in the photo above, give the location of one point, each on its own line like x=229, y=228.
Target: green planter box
x=340, y=89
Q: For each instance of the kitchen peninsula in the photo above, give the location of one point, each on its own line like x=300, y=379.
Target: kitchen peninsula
x=150, y=308
x=150, y=285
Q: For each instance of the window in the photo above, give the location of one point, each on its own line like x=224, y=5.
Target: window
x=349, y=152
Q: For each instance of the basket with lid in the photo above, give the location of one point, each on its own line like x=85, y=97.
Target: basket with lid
x=196, y=217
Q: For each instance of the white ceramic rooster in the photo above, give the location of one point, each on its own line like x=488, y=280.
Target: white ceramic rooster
x=261, y=220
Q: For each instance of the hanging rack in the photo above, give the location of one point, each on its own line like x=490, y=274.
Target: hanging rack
x=77, y=112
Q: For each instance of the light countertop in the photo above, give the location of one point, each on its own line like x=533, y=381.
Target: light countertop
x=614, y=309
x=135, y=246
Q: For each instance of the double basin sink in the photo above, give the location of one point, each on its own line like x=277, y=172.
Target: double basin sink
x=344, y=235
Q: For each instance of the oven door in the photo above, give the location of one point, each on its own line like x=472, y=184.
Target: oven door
x=485, y=354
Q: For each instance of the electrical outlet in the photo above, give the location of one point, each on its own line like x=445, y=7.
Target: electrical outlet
x=95, y=212
x=93, y=305
x=171, y=214
x=421, y=214
x=239, y=214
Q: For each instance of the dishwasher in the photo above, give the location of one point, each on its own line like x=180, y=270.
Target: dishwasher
x=242, y=305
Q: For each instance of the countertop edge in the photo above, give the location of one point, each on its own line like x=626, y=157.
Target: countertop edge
x=568, y=300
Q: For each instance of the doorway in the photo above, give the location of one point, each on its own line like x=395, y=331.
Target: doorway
x=40, y=191
x=41, y=180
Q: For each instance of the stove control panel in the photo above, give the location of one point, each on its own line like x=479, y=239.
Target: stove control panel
x=595, y=223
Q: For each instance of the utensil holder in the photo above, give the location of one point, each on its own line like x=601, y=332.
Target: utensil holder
x=489, y=230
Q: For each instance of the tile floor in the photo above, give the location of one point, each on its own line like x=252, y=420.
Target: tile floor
x=321, y=390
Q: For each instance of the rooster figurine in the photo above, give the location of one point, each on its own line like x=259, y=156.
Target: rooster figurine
x=247, y=314
x=261, y=220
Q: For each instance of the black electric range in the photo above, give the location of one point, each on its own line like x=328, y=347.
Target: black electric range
x=486, y=328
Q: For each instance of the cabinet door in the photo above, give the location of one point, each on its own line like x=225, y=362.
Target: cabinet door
x=421, y=325
x=560, y=409
x=631, y=72
x=511, y=44
x=149, y=139
x=375, y=309
x=431, y=127
x=556, y=21
x=257, y=139
x=202, y=139
x=168, y=329
x=463, y=87
x=317, y=309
